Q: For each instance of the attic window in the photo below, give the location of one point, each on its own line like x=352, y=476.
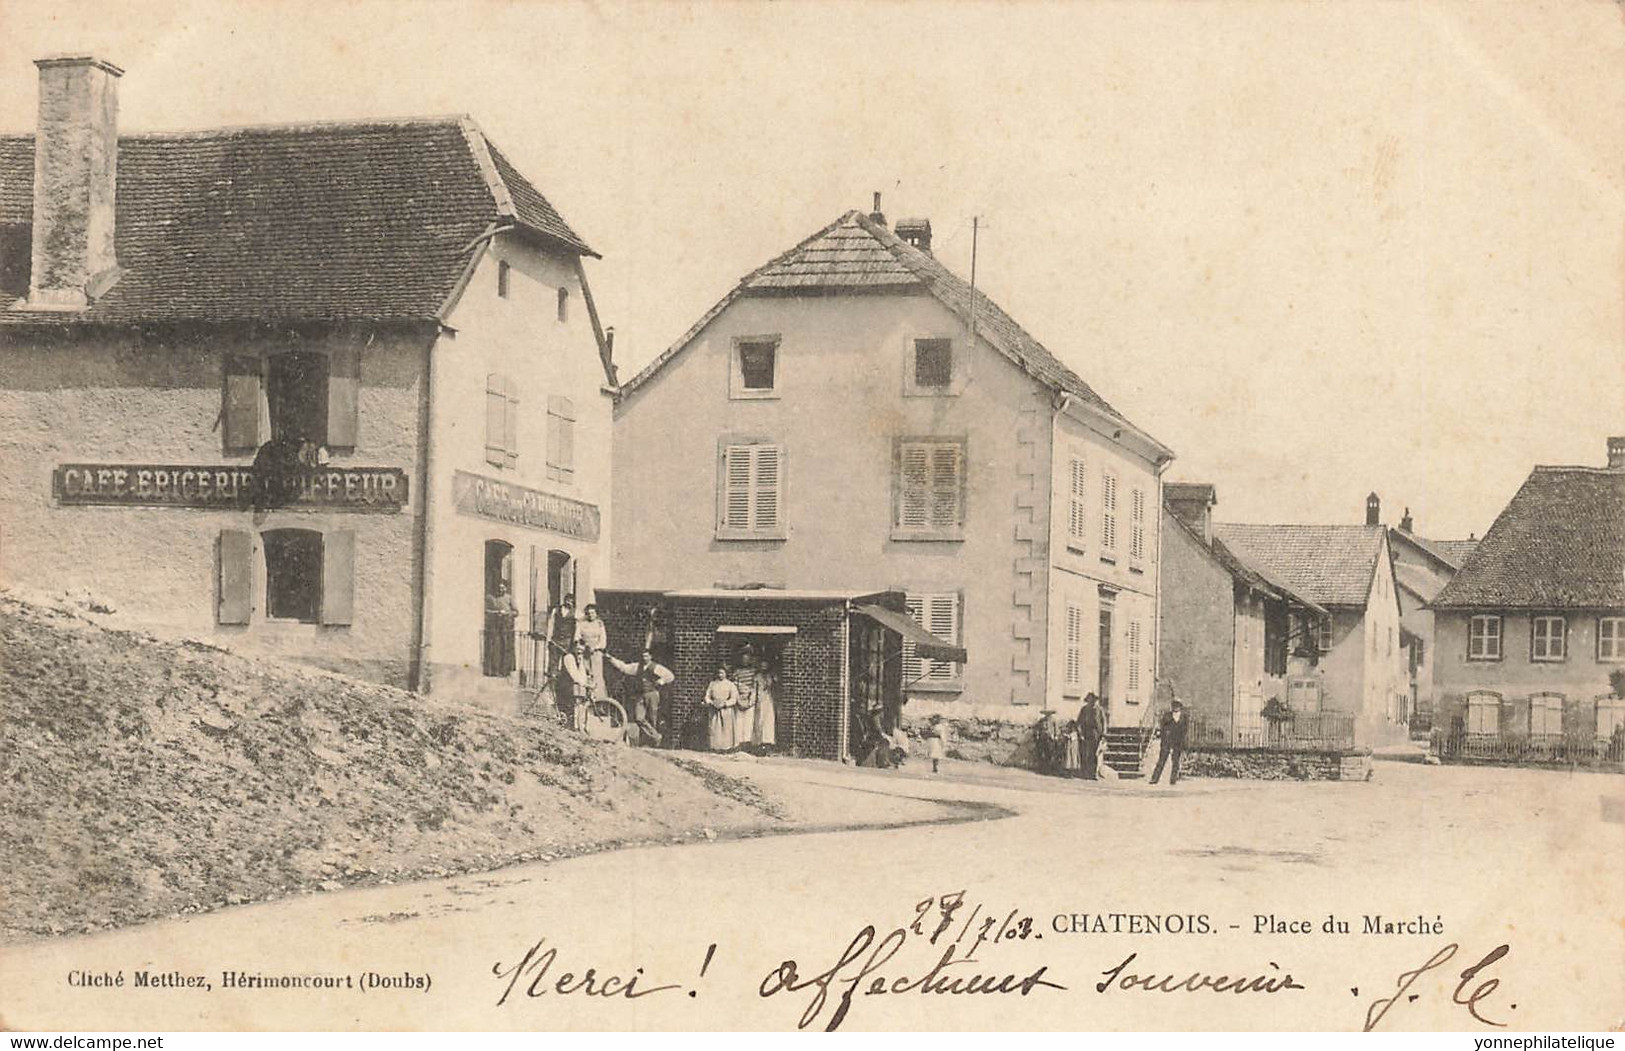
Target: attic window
x=503, y=279
x=933, y=363
x=564, y=304
x=755, y=367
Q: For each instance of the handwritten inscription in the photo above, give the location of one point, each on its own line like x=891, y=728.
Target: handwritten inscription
x=863, y=965
x=1468, y=999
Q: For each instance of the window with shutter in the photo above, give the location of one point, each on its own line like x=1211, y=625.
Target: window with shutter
x=1136, y=536
x=930, y=489
x=1611, y=638
x=561, y=439
x=1483, y=713
x=1484, y=638
x=1074, y=646
x=1546, y=714
x=750, y=501
x=1108, y=511
x=939, y=614
x=1077, y=526
x=296, y=393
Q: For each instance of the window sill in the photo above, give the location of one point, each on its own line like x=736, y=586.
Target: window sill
x=1076, y=549
x=928, y=535
x=753, y=395
x=1110, y=560
x=1071, y=693
x=1483, y=660
x=912, y=391
x=1136, y=567
x=746, y=534
x=1548, y=660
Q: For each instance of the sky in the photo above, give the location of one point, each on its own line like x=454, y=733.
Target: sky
x=1318, y=250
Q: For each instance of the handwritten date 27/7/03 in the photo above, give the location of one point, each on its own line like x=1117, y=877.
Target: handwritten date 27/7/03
x=860, y=966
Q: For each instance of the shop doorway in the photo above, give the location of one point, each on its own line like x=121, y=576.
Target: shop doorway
x=497, y=636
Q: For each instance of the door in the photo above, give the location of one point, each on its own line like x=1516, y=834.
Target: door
x=497, y=634
x=1107, y=612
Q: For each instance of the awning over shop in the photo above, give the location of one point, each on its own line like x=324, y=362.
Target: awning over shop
x=926, y=644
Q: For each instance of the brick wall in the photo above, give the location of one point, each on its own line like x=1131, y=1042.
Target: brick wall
x=809, y=705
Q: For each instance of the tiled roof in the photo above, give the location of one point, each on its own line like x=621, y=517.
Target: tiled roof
x=1328, y=564
x=855, y=255
x=328, y=222
x=1420, y=582
x=1559, y=544
x=1455, y=551
x=1238, y=568
x=1434, y=549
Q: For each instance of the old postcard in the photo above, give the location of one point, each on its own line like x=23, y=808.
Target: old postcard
x=895, y=517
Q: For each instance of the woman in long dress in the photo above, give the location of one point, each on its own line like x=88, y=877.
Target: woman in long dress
x=592, y=631
x=758, y=713
x=722, y=703
x=1071, y=757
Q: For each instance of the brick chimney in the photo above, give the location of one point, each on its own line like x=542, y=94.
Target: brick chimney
x=1406, y=525
x=75, y=181
x=1616, y=453
x=1373, y=510
x=916, y=232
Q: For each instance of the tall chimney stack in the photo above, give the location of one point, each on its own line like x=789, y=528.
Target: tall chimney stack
x=1616, y=453
x=916, y=232
x=75, y=181
x=1373, y=510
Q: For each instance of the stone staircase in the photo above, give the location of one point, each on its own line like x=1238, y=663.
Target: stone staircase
x=1126, y=747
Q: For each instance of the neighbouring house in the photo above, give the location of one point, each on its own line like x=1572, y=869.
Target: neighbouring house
x=1234, y=638
x=322, y=391
x=1530, y=634
x=852, y=416
x=1348, y=570
x=1422, y=568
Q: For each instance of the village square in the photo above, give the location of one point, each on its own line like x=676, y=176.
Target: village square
x=337, y=520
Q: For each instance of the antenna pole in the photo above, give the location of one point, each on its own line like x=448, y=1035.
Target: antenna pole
x=975, y=229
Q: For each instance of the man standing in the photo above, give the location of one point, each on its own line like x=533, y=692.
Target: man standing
x=1091, y=731
x=579, y=680
x=1172, y=733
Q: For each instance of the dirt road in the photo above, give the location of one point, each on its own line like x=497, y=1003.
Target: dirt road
x=1238, y=879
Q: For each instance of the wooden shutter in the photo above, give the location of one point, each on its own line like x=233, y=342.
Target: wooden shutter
x=1077, y=522
x=496, y=419
x=236, y=576
x=1133, y=683
x=343, y=397
x=943, y=622
x=567, y=578
x=338, y=577
x=913, y=667
x=1136, y=514
x=538, y=610
x=914, y=481
x=765, y=498
x=583, y=583
x=946, y=471
x=241, y=412
x=1108, y=510
x=736, y=479
x=1074, y=645
x=561, y=440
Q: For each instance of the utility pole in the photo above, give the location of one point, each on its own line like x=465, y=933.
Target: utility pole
x=975, y=229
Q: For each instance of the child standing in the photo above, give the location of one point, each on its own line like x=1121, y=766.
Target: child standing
x=936, y=742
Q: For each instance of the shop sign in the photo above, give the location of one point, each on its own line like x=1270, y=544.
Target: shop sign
x=516, y=505
x=228, y=487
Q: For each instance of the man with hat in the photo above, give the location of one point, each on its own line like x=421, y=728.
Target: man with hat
x=1172, y=734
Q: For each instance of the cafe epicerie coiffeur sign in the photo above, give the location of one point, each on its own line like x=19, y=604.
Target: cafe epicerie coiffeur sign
x=229, y=487
x=505, y=502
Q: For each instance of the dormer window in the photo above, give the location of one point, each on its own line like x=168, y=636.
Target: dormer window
x=755, y=372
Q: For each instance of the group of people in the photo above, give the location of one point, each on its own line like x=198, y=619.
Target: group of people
x=1079, y=748
x=741, y=707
